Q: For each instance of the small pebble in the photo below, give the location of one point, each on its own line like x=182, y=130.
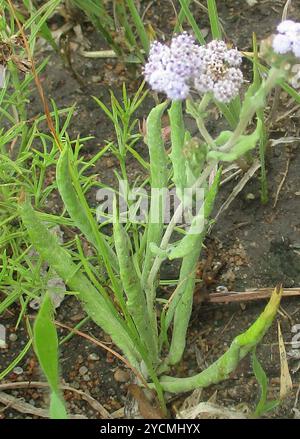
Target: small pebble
x=13, y=337
x=250, y=197
x=93, y=357
x=18, y=370
x=87, y=377
x=83, y=370
x=121, y=376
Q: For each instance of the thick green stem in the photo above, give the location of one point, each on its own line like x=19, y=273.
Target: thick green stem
x=262, y=156
x=136, y=301
x=177, y=139
x=159, y=180
x=264, y=133
x=196, y=112
x=172, y=224
x=183, y=309
x=227, y=363
x=181, y=306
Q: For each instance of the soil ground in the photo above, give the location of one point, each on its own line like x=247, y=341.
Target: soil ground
x=251, y=245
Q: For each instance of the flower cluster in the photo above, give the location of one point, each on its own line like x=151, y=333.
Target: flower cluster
x=220, y=73
x=170, y=68
x=288, y=38
x=176, y=68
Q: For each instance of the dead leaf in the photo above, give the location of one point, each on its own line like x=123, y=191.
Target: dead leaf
x=146, y=407
x=206, y=410
x=213, y=398
x=286, y=384
x=192, y=400
x=296, y=413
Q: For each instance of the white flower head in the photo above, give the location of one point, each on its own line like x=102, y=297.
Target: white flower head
x=220, y=73
x=288, y=26
x=173, y=69
x=282, y=44
x=296, y=48
x=170, y=68
x=288, y=38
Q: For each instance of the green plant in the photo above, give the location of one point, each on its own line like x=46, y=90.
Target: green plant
x=128, y=309
x=121, y=17
x=47, y=353
x=263, y=404
x=119, y=284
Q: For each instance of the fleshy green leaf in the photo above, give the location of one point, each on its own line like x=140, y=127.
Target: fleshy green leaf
x=46, y=348
x=245, y=144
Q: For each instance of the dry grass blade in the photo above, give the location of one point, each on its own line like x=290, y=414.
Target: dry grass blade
x=98, y=54
x=239, y=187
x=286, y=384
x=282, y=181
x=246, y=296
x=284, y=140
x=286, y=9
x=192, y=400
x=286, y=114
x=207, y=410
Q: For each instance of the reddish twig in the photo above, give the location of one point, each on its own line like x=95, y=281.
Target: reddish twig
x=36, y=77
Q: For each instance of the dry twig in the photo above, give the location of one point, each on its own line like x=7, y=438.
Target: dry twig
x=282, y=181
x=246, y=296
x=24, y=407
x=40, y=384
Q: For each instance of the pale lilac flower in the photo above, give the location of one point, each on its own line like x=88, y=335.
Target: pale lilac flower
x=170, y=68
x=288, y=26
x=177, y=91
x=219, y=71
x=233, y=57
x=174, y=69
x=282, y=44
x=288, y=38
x=296, y=48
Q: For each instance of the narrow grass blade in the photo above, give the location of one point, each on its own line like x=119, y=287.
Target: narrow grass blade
x=16, y=361
x=263, y=404
x=140, y=28
x=214, y=20
x=192, y=22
